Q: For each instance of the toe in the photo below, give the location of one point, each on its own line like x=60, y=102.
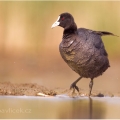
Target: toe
x=76, y=87
x=73, y=86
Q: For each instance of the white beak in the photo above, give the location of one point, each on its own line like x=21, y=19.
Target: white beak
x=56, y=23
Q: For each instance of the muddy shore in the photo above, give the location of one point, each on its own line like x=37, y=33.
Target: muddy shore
x=34, y=89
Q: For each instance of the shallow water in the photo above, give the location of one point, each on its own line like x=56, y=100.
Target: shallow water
x=59, y=107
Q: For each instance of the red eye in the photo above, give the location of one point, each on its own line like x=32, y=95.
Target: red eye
x=63, y=18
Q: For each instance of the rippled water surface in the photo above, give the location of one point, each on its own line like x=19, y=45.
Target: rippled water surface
x=59, y=107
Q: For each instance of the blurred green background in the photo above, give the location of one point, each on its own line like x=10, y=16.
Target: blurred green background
x=29, y=48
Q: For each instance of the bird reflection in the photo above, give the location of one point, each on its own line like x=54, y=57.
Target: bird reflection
x=90, y=108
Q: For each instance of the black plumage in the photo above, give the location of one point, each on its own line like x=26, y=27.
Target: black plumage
x=82, y=49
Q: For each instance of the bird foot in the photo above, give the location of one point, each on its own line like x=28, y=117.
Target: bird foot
x=74, y=87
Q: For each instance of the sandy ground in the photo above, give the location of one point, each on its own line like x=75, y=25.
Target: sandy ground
x=34, y=89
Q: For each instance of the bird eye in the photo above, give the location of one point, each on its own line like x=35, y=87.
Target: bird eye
x=62, y=18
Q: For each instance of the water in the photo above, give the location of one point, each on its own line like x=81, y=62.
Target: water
x=58, y=107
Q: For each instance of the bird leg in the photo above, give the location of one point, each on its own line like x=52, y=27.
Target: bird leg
x=90, y=86
x=73, y=85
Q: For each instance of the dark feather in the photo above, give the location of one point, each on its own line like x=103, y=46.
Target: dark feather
x=103, y=33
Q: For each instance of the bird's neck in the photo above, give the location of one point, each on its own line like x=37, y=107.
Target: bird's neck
x=72, y=28
x=69, y=30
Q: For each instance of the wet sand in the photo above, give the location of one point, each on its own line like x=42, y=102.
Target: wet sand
x=34, y=89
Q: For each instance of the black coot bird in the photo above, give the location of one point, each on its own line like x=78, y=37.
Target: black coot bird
x=82, y=49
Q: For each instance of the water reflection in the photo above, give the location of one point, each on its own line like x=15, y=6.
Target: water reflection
x=90, y=107
x=84, y=109
x=96, y=109
x=58, y=107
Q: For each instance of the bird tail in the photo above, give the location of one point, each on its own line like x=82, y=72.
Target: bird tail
x=103, y=33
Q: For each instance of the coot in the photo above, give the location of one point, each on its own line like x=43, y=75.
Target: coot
x=82, y=49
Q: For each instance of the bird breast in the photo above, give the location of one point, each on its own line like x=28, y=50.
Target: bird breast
x=83, y=57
